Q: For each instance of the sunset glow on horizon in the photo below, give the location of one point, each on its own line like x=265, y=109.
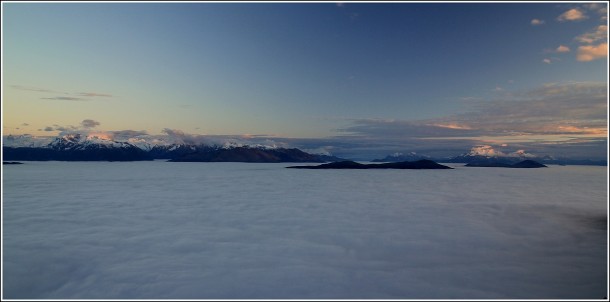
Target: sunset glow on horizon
x=395, y=77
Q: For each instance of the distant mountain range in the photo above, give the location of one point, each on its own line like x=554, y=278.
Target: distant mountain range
x=485, y=157
x=528, y=163
x=399, y=157
x=76, y=147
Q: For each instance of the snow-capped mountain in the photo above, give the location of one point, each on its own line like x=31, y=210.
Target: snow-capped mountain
x=78, y=141
x=398, y=157
x=78, y=147
x=486, y=153
x=102, y=147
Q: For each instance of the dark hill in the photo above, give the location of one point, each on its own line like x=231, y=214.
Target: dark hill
x=336, y=165
x=522, y=164
x=251, y=155
x=528, y=164
x=420, y=164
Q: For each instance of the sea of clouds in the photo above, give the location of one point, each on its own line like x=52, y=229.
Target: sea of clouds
x=159, y=230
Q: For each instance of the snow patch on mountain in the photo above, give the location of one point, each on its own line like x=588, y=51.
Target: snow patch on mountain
x=77, y=141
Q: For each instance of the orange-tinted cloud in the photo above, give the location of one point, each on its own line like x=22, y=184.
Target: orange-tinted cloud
x=588, y=53
x=453, y=126
x=572, y=15
x=600, y=33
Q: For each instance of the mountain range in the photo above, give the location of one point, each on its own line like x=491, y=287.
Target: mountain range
x=486, y=156
x=77, y=147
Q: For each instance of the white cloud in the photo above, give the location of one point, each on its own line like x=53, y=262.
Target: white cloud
x=588, y=53
x=546, y=60
x=537, y=22
x=574, y=14
x=562, y=48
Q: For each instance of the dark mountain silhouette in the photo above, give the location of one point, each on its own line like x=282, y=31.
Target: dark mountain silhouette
x=522, y=164
x=172, y=151
x=528, y=164
x=420, y=164
x=75, y=147
x=252, y=155
x=11, y=163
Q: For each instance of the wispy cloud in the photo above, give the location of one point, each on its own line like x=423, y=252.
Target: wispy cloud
x=537, y=22
x=596, y=7
x=591, y=6
x=546, y=60
x=452, y=126
x=36, y=89
x=600, y=33
x=574, y=14
x=94, y=94
x=65, y=98
x=56, y=127
x=588, y=53
x=75, y=96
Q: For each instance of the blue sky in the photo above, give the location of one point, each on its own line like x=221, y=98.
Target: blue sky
x=331, y=72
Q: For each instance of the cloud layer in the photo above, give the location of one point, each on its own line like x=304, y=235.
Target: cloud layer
x=157, y=230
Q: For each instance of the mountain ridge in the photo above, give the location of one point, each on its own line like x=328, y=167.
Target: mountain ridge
x=76, y=147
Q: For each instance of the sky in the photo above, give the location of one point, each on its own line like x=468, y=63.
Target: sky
x=354, y=79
